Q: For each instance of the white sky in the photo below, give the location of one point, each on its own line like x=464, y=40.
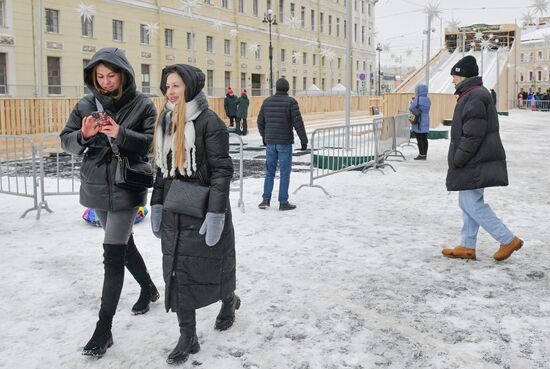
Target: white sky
x=411, y=20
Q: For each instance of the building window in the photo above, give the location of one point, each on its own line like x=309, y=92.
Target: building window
x=169, y=38
x=2, y=12
x=283, y=55
x=363, y=6
x=243, y=49
x=303, y=16
x=190, y=41
x=117, y=30
x=145, y=78
x=225, y=4
x=227, y=47
x=362, y=34
x=3, y=74
x=321, y=21
x=339, y=63
x=243, y=81
x=304, y=83
x=268, y=4
x=368, y=8
x=304, y=58
x=539, y=55
x=355, y=32
x=282, y=10
x=241, y=6
x=227, y=79
x=207, y=2
x=530, y=76
x=323, y=60
x=314, y=59
x=54, y=75
x=210, y=82
x=52, y=20
x=521, y=77
x=369, y=40
x=209, y=44
x=337, y=27
x=292, y=9
x=143, y=34
x=312, y=20
x=84, y=64
x=357, y=65
x=259, y=52
x=345, y=29
x=255, y=7
x=87, y=26
x=539, y=75
x=330, y=24
x=315, y=81
x=294, y=85
x=322, y=84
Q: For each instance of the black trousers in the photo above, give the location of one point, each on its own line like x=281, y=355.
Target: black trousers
x=231, y=120
x=238, y=127
x=422, y=140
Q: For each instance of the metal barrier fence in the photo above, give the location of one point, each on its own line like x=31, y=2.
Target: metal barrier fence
x=18, y=168
x=401, y=135
x=383, y=143
x=341, y=148
x=534, y=105
x=46, y=170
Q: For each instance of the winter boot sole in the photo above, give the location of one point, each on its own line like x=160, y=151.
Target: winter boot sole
x=183, y=358
x=98, y=354
x=154, y=298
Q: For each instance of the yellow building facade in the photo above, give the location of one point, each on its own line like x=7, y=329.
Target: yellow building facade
x=44, y=44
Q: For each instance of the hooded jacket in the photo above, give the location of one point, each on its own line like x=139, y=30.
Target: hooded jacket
x=230, y=105
x=242, y=109
x=195, y=274
x=134, y=112
x=476, y=156
x=424, y=104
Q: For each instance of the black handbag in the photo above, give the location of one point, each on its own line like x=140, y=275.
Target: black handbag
x=188, y=198
x=133, y=175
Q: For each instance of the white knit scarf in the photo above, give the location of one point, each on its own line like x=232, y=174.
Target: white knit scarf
x=164, y=135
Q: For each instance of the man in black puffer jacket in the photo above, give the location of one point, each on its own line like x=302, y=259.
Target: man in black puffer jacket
x=278, y=116
x=476, y=160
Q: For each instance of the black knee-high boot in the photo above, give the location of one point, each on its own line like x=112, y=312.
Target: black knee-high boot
x=113, y=260
x=226, y=316
x=188, y=342
x=136, y=266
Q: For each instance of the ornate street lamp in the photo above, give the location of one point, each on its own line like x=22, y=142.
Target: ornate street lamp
x=270, y=19
x=379, y=49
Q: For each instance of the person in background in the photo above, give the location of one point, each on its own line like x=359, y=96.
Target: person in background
x=476, y=160
x=242, y=113
x=192, y=144
x=422, y=128
x=129, y=126
x=230, y=105
x=494, y=96
x=278, y=116
x=520, y=98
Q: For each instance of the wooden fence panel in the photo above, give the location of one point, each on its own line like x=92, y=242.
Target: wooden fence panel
x=442, y=106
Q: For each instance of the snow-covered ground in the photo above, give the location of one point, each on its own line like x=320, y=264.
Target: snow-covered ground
x=352, y=281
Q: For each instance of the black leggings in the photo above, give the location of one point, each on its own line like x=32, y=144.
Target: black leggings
x=422, y=140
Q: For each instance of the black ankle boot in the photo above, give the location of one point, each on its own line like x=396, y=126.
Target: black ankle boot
x=264, y=204
x=101, y=340
x=188, y=342
x=113, y=260
x=226, y=316
x=148, y=294
x=136, y=266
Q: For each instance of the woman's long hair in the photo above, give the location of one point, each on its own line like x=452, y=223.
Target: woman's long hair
x=178, y=132
x=115, y=69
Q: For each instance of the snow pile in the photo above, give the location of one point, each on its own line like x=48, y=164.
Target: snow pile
x=352, y=281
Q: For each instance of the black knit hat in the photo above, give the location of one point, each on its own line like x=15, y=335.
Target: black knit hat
x=465, y=67
x=282, y=85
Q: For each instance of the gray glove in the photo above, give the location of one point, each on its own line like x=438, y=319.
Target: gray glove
x=156, y=219
x=213, y=227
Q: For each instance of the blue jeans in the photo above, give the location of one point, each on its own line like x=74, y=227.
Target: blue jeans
x=283, y=155
x=475, y=213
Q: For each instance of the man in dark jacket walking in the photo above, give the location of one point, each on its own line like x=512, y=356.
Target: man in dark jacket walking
x=278, y=115
x=476, y=160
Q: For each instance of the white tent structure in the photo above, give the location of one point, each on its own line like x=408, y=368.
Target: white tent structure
x=312, y=90
x=339, y=89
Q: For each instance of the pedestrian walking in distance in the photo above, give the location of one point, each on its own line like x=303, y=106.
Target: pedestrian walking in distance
x=230, y=106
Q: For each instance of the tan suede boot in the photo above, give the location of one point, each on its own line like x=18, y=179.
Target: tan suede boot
x=460, y=252
x=505, y=251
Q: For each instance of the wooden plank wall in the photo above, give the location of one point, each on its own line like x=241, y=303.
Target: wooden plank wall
x=442, y=107
x=34, y=116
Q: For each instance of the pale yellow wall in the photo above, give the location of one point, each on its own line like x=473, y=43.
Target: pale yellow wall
x=165, y=13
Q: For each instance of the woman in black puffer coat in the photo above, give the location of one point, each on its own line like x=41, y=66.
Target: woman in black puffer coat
x=129, y=126
x=192, y=144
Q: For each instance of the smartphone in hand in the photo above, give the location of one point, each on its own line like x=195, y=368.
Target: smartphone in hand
x=101, y=118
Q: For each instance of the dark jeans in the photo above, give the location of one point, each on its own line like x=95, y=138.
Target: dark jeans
x=283, y=155
x=231, y=120
x=422, y=140
x=238, y=127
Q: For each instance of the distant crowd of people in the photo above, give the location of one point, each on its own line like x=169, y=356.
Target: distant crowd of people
x=534, y=100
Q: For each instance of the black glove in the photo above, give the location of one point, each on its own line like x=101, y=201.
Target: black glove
x=304, y=146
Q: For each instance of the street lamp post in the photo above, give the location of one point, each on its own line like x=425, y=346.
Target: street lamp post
x=270, y=19
x=379, y=49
